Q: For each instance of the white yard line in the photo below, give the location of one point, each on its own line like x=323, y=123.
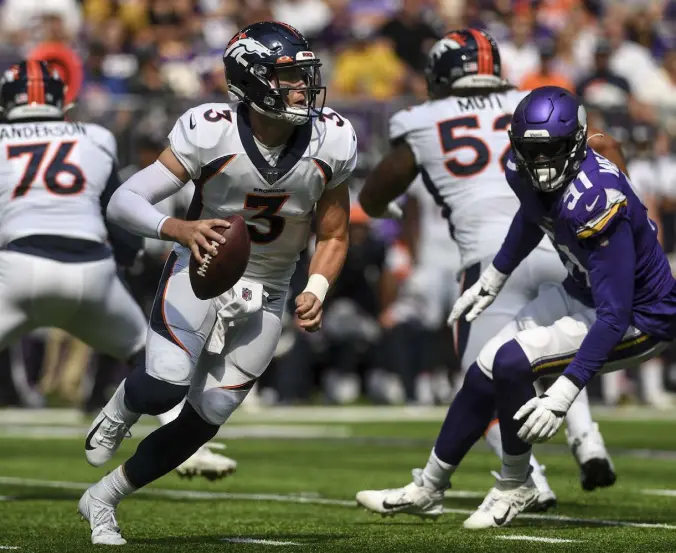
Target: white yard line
x=535, y=538
x=230, y=432
x=9, y=547
x=663, y=493
x=309, y=500
x=257, y=541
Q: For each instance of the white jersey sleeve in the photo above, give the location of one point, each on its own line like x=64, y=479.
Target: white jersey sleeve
x=339, y=147
x=408, y=125
x=195, y=141
x=104, y=139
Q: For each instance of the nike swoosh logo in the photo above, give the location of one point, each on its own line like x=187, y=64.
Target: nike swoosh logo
x=500, y=521
x=590, y=207
x=390, y=506
x=193, y=123
x=88, y=440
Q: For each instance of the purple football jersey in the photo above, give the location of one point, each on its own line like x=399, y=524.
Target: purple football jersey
x=583, y=213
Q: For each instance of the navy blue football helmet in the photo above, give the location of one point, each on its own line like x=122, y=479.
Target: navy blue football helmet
x=549, y=136
x=258, y=55
x=32, y=90
x=466, y=60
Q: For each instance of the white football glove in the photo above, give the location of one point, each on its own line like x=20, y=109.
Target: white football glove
x=546, y=413
x=478, y=296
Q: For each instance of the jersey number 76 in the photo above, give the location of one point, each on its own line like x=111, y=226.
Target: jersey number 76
x=57, y=166
x=452, y=139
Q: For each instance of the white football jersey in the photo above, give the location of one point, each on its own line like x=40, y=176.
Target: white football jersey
x=274, y=189
x=436, y=246
x=644, y=176
x=52, y=175
x=460, y=146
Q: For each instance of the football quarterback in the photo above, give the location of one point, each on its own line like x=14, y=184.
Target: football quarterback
x=276, y=157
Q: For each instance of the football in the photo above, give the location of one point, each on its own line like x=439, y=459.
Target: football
x=220, y=272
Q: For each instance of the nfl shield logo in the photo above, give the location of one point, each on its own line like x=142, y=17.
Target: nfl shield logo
x=246, y=294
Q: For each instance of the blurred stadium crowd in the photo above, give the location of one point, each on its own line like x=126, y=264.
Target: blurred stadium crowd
x=145, y=61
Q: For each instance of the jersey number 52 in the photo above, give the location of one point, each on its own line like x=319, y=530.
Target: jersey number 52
x=452, y=139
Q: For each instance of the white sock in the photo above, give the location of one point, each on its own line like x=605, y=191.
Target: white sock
x=117, y=409
x=611, y=387
x=578, y=419
x=650, y=375
x=494, y=441
x=516, y=467
x=493, y=438
x=113, y=487
x=437, y=474
x=166, y=418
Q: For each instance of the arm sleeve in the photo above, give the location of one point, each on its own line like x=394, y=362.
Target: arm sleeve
x=612, y=286
x=132, y=206
x=522, y=238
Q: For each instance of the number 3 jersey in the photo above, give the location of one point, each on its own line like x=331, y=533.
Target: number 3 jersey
x=460, y=146
x=52, y=177
x=274, y=189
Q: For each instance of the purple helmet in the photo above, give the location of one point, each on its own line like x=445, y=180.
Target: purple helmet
x=548, y=135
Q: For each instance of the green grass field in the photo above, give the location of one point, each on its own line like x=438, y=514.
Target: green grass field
x=295, y=487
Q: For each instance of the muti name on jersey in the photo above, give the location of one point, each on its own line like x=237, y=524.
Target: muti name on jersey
x=473, y=103
x=269, y=190
x=12, y=132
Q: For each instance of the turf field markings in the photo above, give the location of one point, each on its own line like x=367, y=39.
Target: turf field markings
x=260, y=542
x=535, y=538
x=7, y=498
x=283, y=498
x=9, y=547
x=663, y=493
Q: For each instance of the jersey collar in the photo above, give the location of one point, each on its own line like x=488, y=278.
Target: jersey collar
x=293, y=152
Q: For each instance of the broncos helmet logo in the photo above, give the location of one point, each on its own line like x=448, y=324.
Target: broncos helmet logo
x=242, y=49
x=444, y=45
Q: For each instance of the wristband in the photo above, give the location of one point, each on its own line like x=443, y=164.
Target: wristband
x=317, y=285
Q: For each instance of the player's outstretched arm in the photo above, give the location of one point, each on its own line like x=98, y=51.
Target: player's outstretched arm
x=389, y=180
x=333, y=218
x=521, y=239
x=613, y=290
x=132, y=206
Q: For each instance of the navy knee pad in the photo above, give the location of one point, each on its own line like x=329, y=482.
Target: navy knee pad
x=511, y=365
x=150, y=396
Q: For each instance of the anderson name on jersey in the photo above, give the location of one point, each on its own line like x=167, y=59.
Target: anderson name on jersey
x=460, y=145
x=274, y=189
x=54, y=178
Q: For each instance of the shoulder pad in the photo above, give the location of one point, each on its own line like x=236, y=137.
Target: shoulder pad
x=338, y=146
x=197, y=132
x=596, y=211
x=407, y=120
x=103, y=138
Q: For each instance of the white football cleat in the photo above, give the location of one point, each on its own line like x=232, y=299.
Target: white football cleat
x=596, y=467
x=414, y=499
x=506, y=500
x=101, y=518
x=207, y=463
x=104, y=437
x=546, y=496
x=108, y=430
